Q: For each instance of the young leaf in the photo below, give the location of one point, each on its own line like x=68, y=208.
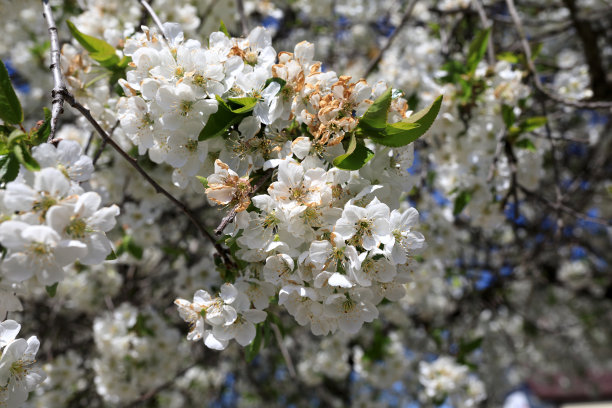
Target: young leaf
x=410, y=129
x=253, y=349
x=52, y=289
x=223, y=29
x=526, y=144
x=462, y=200
x=508, y=115
x=10, y=108
x=374, y=119
x=203, y=180
x=9, y=168
x=99, y=50
x=219, y=121
x=533, y=123
x=477, y=50
x=24, y=157
x=509, y=57
x=279, y=81
x=356, y=156
x=41, y=134
x=242, y=105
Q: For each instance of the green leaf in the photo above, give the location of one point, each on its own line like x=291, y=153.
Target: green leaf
x=24, y=157
x=219, y=121
x=242, y=105
x=15, y=137
x=279, y=81
x=128, y=245
x=203, y=180
x=508, y=115
x=410, y=129
x=99, y=50
x=141, y=328
x=112, y=256
x=9, y=168
x=10, y=108
x=228, y=114
x=41, y=134
x=253, y=349
x=477, y=50
x=533, y=123
x=223, y=29
x=461, y=202
x=356, y=156
x=509, y=57
x=52, y=290
x=525, y=144
x=374, y=119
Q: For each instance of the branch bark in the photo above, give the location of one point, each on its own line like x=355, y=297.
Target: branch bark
x=533, y=71
x=69, y=98
x=58, y=80
x=599, y=81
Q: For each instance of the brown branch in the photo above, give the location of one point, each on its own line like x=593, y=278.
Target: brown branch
x=405, y=17
x=69, y=98
x=103, y=145
x=229, y=217
x=284, y=351
x=534, y=72
x=58, y=80
x=599, y=81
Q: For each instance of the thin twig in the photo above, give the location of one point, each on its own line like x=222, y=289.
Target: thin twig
x=56, y=69
x=243, y=21
x=229, y=217
x=372, y=65
x=152, y=393
x=103, y=145
x=155, y=18
x=564, y=208
x=284, y=351
x=69, y=98
x=533, y=71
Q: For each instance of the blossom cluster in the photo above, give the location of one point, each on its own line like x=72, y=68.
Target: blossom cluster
x=50, y=221
x=18, y=376
x=321, y=239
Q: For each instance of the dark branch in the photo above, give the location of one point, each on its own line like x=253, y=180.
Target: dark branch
x=69, y=98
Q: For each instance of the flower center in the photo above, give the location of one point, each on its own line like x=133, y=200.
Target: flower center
x=76, y=228
x=192, y=146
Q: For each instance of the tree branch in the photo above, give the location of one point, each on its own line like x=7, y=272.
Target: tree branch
x=374, y=63
x=284, y=351
x=533, y=71
x=599, y=81
x=58, y=80
x=69, y=98
x=232, y=213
